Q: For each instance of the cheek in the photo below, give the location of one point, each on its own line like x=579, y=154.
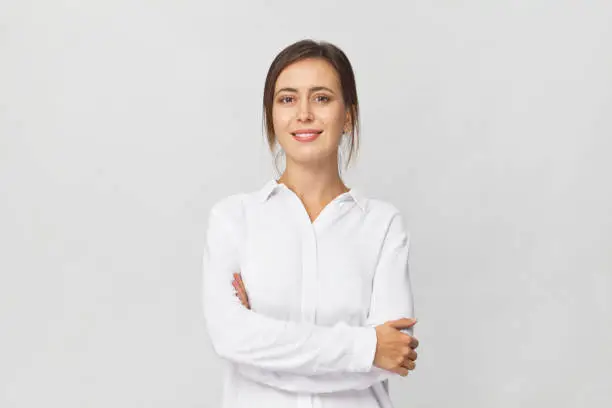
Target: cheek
x=281, y=119
x=334, y=124
x=281, y=113
x=332, y=117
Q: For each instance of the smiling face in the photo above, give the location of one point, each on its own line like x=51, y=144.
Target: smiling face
x=308, y=111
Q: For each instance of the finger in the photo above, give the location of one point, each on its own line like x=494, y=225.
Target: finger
x=238, y=278
x=409, y=365
x=403, y=323
x=236, y=284
x=239, y=275
x=238, y=290
x=243, y=289
x=243, y=299
x=414, y=342
x=412, y=355
x=403, y=371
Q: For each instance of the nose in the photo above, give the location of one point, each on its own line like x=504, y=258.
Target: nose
x=304, y=113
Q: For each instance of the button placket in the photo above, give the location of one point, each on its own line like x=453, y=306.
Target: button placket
x=310, y=268
x=308, y=279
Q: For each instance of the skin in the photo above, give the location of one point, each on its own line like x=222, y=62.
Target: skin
x=308, y=95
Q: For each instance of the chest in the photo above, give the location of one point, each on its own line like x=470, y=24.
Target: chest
x=298, y=272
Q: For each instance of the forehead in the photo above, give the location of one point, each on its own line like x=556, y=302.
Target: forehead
x=308, y=72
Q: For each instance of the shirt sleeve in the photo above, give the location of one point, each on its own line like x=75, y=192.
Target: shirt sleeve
x=391, y=299
x=245, y=337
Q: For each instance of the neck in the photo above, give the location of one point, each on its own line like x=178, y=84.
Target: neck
x=317, y=183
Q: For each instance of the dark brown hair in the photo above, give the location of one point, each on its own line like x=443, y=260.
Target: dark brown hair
x=312, y=49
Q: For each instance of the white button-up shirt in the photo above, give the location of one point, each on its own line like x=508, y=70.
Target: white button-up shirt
x=316, y=292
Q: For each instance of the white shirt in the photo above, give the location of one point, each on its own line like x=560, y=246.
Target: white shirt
x=316, y=291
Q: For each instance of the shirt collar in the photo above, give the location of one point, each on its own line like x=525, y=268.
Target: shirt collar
x=272, y=186
x=267, y=190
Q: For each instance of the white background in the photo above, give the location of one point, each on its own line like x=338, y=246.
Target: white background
x=488, y=123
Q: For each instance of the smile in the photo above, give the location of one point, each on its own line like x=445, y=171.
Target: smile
x=306, y=136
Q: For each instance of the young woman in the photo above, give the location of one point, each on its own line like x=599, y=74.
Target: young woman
x=321, y=310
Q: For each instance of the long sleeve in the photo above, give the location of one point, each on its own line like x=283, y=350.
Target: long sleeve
x=245, y=337
x=391, y=299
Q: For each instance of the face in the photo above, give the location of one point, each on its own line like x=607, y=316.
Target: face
x=308, y=111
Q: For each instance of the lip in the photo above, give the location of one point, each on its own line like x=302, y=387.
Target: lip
x=306, y=135
x=297, y=132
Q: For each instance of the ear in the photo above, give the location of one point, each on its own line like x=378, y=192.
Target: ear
x=348, y=121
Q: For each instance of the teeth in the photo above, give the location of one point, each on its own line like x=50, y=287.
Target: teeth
x=305, y=134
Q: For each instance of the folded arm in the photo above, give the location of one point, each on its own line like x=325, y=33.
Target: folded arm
x=247, y=338
x=391, y=299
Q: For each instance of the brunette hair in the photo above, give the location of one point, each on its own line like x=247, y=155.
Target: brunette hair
x=335, y=56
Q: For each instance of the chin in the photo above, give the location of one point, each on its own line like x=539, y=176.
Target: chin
x=310, y=157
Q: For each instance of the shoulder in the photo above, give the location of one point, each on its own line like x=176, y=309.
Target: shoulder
x=390, y=217
x=232, y=208
x=382, y=209
x=228, y=206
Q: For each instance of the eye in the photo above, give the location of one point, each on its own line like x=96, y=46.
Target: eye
x=285, y=99
x=322, y=98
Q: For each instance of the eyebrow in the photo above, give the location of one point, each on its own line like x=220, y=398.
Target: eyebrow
x=313, y=89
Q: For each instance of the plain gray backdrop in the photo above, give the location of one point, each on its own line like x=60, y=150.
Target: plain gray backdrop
x=488, y=123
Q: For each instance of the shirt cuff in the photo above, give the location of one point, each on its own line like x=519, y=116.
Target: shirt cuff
x=364, y=349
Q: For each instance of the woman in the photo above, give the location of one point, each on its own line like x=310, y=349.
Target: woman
x=320, y=314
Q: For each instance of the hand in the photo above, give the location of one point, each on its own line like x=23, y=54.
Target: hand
x=240, y=290
x=395, y=350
